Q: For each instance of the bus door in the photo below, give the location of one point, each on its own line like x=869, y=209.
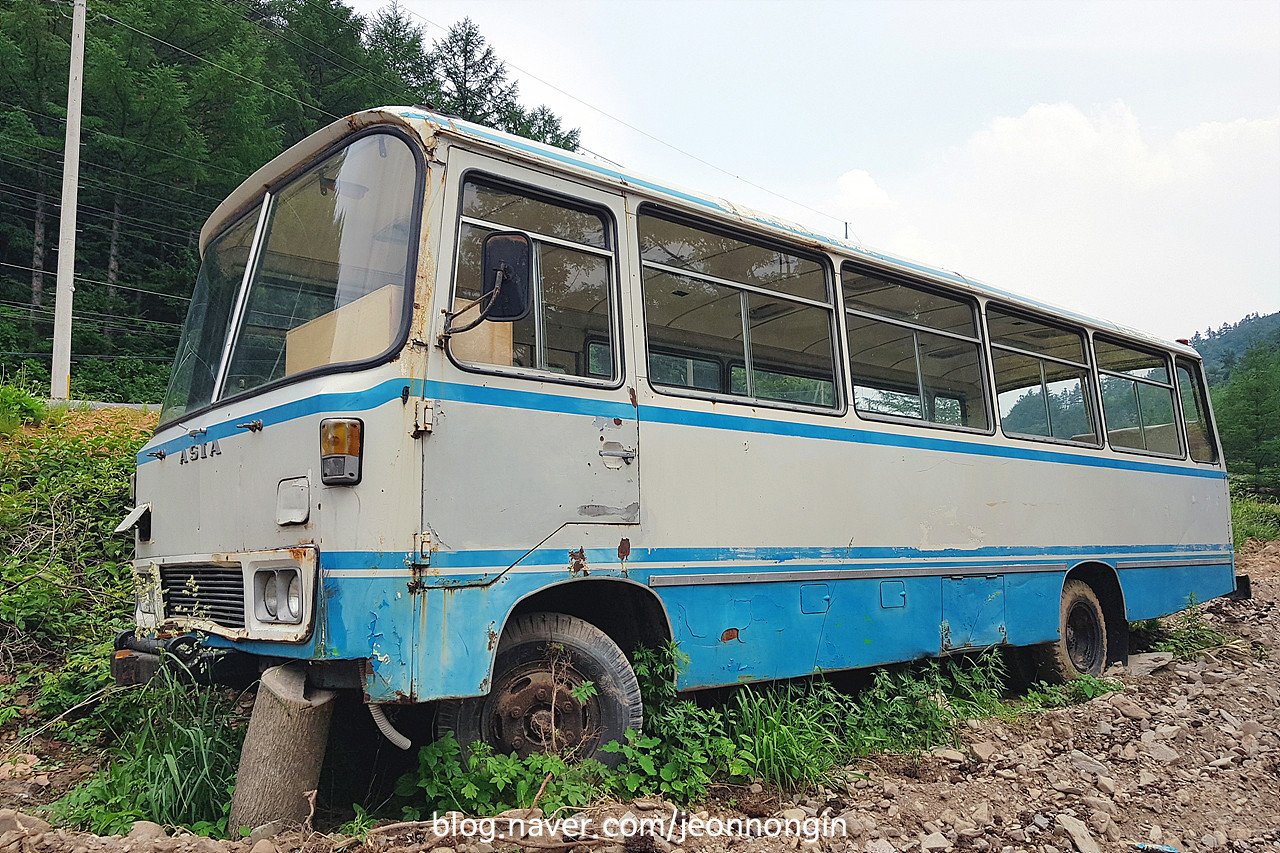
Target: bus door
x=534, y=436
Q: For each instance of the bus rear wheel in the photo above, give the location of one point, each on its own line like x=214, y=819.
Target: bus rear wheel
x=560, y=685
x=1081, y=648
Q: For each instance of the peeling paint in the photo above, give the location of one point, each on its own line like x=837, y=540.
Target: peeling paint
x=729, y=634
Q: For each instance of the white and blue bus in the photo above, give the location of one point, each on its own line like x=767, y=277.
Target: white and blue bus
x=461, y=418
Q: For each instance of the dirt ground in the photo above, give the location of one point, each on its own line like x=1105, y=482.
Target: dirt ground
x=1187, y=756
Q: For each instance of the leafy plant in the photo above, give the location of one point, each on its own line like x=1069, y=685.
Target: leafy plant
x=65, y=586
x=485, y=783
x=19, y=406
x=1082, y=688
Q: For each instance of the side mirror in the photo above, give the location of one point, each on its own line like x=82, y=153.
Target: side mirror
x=506, y=290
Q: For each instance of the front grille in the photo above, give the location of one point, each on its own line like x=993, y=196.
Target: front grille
x=215, y=593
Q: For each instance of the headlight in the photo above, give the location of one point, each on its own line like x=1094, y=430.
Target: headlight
x=270, y=597
x=277, y=596
x=293, y=600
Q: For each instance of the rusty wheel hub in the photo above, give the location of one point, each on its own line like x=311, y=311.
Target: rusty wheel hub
x=535, y=712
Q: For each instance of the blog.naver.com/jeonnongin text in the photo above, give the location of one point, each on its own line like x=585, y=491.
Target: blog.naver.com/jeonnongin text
x=674, y=827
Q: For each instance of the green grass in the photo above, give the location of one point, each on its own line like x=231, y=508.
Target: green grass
x=1184, y=635
x=174, y=763
x=790, y=736
x=1254, y=517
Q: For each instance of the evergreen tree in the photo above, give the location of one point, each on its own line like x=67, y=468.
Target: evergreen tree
x=1248, y=411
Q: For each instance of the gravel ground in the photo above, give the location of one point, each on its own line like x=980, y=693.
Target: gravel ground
x=1187, y=756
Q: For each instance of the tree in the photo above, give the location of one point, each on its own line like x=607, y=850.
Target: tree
x=1248, y=411
x=472, y=84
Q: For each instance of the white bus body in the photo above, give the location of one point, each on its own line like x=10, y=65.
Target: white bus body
x=830, y=511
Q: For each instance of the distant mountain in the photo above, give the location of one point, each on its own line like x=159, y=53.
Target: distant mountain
x=1223, y=347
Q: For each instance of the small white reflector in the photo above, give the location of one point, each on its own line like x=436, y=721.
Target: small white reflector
x=132, y=518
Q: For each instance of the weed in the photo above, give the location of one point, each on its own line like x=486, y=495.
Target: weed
x=1254, y=517
x=1044, y=696
x=179, y=747
x=791, y=737
x=358, y=827
x=18, y=406
x=484, y=783
x=1184, y=635
x=64, y=578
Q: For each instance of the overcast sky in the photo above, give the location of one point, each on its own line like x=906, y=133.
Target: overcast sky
x=1118, y=158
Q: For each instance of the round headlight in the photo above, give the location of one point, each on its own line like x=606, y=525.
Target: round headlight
x=293, y=600
x=270, y=595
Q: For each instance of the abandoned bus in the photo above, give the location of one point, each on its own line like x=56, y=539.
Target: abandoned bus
x=462, y=418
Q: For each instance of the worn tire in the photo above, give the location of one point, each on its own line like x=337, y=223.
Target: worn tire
x=1081, y=647
x=543, y=656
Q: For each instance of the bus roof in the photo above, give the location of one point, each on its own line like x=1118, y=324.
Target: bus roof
x=425, y=124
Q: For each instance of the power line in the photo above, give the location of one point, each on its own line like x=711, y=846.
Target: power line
x=645, y=133
x=104, y=283
x=105, y=135
x=207, y=61
x=126, y=228
x=117, y=171
x=98, y=317
x=110, y=187
x=169, y=231
x=104, y=326
x=90, y=357
x=337, y=59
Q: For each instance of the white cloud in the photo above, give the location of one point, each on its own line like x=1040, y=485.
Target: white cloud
x=856, y=190
x=1087, y=211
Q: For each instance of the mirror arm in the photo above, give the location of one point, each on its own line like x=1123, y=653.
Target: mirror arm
x=501, y=273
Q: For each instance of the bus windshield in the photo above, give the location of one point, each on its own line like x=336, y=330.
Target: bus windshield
x=330, y=261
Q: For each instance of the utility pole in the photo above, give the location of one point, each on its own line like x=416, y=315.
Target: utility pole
x=60, y=384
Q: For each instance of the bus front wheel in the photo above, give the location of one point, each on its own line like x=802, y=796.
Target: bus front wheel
x=1081, y=647
x=560, y=685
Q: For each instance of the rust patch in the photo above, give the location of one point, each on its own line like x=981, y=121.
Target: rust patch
x=493, y=638
x=632, y=392
x=624, y=549
x=729, y=634
x=616, y=421
x=578, y=562
x=299, y=553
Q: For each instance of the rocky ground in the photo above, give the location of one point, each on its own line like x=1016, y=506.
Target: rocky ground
x=1186, y=756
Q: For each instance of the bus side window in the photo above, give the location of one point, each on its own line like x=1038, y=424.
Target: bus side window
x=1137, y=399
x=568, y=331
x=913, y=353
x=712, y=299
x=1195, y=413
x=1042, y=379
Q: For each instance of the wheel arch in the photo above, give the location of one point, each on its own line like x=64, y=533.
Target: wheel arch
x=630, y=613
x=1105, y=583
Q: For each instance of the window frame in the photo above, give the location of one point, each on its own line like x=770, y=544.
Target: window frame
x=1171, y=386
x=839, y=398
x=1200, y=390
x=980, y=339
x=1091, y=394
x=261, y=204
x=493, y=180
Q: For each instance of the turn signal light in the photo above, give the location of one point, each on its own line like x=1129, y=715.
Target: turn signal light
x=341, y=446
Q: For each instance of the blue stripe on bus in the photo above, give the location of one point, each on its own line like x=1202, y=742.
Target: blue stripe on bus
x=385, y=392
x=789, y=558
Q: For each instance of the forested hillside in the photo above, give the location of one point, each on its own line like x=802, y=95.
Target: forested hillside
x=1223, y=347
x=182, y=101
